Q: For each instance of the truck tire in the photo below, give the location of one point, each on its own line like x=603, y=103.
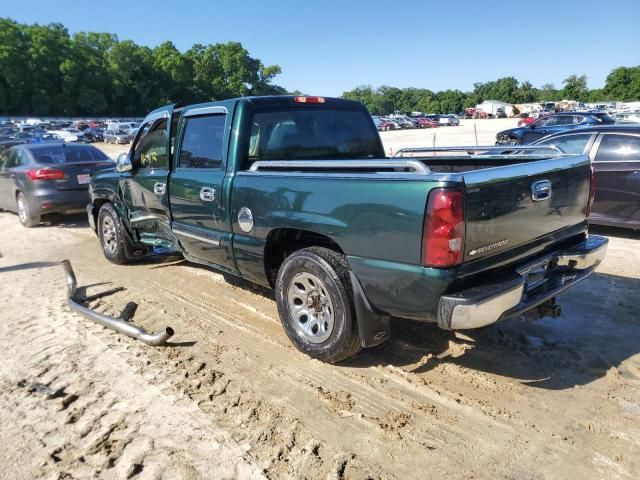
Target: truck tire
x=27, y=219
x=315, y=303
x=111, y=234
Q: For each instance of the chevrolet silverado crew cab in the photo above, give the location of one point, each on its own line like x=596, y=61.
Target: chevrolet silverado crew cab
x=295, y=193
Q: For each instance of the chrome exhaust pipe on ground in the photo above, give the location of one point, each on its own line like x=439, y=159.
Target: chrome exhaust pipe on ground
x=118, y=324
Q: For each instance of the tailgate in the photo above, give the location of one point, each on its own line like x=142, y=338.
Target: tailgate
x=510, y=206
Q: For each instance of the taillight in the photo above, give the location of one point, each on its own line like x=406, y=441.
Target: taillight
x=592, y=190
x=308, y=99
x=443, y=234
x=45, y=174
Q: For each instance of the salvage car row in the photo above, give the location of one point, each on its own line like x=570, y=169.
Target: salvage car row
x=397, y=122
x=67, y=131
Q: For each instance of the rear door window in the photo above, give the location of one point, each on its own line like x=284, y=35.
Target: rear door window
x=618, y=148
x=569, y=143
x=202, y=142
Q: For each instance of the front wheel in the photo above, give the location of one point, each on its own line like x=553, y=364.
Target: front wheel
x=111, y=234
x=315, y=303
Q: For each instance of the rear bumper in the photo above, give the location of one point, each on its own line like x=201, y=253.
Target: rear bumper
x=46, y=201
x=530, y=286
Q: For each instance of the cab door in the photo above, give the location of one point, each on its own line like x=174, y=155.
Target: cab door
x=617, y=169
x=198, y=202
x=144, y=189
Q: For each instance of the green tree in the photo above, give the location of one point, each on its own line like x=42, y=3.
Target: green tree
x=623, y=84
x=575, y=87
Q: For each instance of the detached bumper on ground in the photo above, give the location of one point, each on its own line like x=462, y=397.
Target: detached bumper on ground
x=119, y=324
x=533, y=285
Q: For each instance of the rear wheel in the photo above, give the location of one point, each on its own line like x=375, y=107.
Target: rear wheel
x=25, y=216
x=315, y=303
x=112, y=235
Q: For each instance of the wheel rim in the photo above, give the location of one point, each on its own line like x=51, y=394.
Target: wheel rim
x=311, y=307
x=109, y=238
x=22, y=209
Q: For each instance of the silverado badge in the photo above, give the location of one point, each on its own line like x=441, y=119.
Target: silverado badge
x=491, y=246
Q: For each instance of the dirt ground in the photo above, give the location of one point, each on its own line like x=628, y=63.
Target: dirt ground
x=229, y=397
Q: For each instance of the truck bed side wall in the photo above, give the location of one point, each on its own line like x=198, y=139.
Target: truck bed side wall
x=370, y=219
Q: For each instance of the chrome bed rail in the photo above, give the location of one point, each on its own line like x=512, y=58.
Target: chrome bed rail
x=413, y=166
x=491, y=150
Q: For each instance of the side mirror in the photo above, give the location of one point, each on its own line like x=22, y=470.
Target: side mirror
x=123, y=164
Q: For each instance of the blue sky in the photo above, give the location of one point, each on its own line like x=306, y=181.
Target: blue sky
x=327, y=47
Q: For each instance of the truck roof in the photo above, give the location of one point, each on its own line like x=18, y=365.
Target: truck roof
x=267, y=101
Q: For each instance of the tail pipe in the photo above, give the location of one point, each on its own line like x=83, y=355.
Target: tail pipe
x=118, y=324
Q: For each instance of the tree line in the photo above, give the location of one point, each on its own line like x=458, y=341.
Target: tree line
x=622, y=84
x=46, y=71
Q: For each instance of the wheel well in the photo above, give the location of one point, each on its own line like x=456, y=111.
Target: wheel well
x=282, y=242
x=97, y=204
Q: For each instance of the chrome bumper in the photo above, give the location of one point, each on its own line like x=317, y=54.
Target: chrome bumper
x=519, y=293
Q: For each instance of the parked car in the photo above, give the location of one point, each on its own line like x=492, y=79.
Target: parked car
x=296, y=193
x=386, y=124
x=444, y=120
x=425, y=122
x=627, y=117
x=39, y=179
x=68, y=134
x=91, y=135
x=553, y=123
x=454, y=121
x=615, y=150
x=116, y=136
x=394, y=124
x=403, y=122
x=46, y=137
x=526, y=119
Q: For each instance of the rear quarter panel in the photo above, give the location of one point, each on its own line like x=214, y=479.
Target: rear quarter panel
x=372, y=218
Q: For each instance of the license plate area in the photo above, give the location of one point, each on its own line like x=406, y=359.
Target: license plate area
x=536, y=278
x=84, y=178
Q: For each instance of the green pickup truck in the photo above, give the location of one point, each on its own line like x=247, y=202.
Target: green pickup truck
x=296, y=193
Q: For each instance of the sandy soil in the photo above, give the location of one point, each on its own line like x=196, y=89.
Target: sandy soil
x=230, y=397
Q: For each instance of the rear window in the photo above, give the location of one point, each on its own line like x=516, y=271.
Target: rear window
x=68, y=154
x=605, y=118
x=313, y=134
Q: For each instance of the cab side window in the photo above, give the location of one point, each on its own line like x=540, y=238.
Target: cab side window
x=150, y=150
x=202, y=142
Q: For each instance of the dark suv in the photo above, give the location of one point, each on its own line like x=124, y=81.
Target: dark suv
x=554, y=123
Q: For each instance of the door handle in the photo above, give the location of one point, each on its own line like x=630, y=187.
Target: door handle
x=207, y=194
x=159, y=188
